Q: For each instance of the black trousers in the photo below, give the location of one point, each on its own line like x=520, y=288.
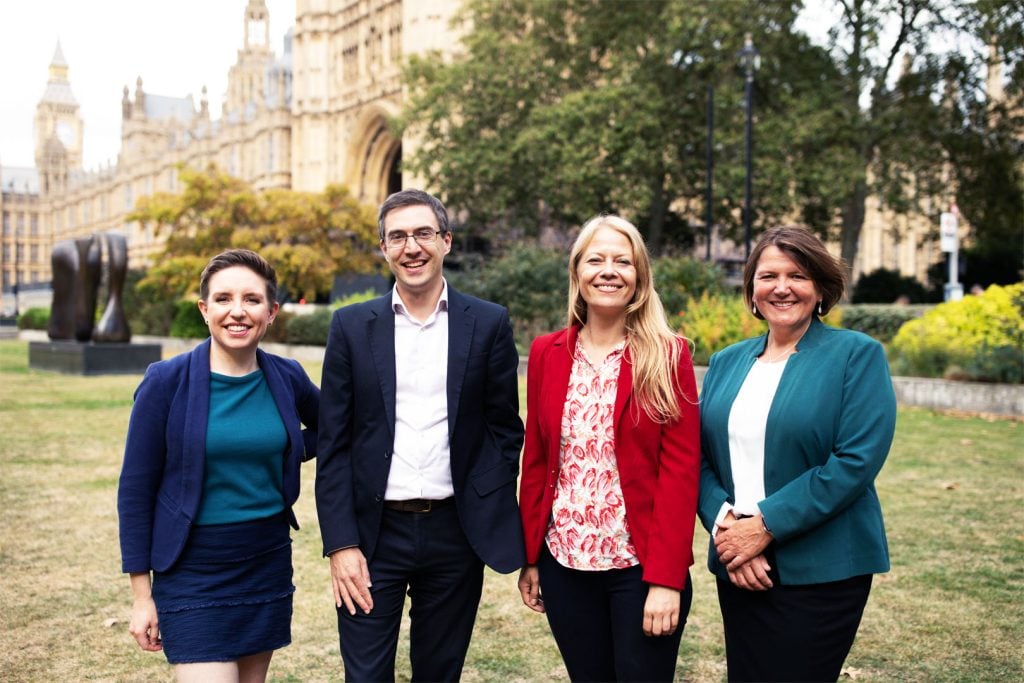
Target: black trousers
x=597, y=621
x=791, y=633
x=428, y=555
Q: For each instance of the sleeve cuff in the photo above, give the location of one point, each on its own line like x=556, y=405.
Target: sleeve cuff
x=722, y=512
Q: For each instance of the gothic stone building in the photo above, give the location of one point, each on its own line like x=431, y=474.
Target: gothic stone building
x=313, y=115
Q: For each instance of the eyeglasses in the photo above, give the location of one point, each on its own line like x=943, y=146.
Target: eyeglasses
x=397, y=239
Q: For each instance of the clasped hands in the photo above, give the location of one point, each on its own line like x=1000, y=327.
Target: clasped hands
x=740, y=545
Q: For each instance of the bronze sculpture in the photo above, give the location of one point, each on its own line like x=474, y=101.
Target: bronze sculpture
x=76, y=280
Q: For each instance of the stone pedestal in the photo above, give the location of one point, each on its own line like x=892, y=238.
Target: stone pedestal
x=87, y=358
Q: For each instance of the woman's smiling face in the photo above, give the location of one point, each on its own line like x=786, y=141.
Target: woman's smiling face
x=606, y=272
x=237, y=309
x=783, y=293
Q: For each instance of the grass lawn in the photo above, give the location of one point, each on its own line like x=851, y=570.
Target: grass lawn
x=951, y=609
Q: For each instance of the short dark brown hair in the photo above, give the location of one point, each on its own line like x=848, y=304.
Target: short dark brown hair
x=412, y=197
x=807, y=251
x=239, y=257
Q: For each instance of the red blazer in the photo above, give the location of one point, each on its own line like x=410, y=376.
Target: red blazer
x=659, y=464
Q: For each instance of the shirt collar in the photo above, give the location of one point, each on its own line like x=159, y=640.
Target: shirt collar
x=398, y=306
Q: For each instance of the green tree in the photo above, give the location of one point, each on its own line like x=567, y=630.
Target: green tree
x=308, y=237
x=559, y=110
x=922, y=123
x=983, y=136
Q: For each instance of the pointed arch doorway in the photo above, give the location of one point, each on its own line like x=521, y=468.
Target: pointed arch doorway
x=378, y=160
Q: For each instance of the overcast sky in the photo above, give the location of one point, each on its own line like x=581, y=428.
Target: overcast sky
x=176, y=47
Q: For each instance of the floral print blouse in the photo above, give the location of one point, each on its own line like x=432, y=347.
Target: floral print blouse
x=588, y=529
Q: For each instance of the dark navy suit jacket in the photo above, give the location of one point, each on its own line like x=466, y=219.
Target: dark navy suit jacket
x=357, y=426
x=165, y=452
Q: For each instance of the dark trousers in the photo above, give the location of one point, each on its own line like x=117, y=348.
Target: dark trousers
x=791, y=633
x=427, y=555
x=597, y=621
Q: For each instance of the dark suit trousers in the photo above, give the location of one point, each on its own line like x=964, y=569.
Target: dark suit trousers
x=597, y=619
x=426, y=554
x=791, y=633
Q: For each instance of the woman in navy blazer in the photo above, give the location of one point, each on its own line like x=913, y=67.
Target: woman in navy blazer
x=795, y=426
x=610, y=468
x=210, y=474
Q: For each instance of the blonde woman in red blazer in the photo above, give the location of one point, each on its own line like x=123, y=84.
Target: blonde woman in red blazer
x=610, y=468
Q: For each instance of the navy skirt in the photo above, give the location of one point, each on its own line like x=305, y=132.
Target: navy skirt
x=229, y=595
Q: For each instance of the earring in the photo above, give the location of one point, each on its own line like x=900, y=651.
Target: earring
x=753, y=309
x=206, y=321
x=819, y=306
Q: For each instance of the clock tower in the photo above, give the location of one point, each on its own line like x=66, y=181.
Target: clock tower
x=58, y=128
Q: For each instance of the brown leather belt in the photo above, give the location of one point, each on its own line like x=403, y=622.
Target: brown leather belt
x=417, y=504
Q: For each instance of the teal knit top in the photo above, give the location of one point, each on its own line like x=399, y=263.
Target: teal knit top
x=245, y=443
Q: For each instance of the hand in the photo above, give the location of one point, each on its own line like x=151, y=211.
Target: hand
x=752, y=575
x=144, y=626
x=350, y=580
x=529, y=588
x=740, y=540
x=661, y=611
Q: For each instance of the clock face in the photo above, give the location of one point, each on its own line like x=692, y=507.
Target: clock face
x=65, y=133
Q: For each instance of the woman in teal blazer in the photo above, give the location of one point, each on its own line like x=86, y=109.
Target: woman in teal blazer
x=795, y=426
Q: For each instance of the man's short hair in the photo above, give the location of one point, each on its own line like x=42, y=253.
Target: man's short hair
x=412, y=197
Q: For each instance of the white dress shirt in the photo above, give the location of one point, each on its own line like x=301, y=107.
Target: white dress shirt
x=420, y=466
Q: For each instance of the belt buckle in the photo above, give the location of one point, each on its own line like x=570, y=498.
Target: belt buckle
x=429, y=504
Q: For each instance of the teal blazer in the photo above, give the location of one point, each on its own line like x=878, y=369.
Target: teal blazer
x=829, y=430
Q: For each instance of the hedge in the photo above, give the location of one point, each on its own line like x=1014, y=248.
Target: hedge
x=881, y=321
x=979, y=338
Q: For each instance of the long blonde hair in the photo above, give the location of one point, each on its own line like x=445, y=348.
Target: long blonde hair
x=653, y=346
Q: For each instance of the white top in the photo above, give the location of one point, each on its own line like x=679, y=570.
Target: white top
x=748, y=421
x=421, y=467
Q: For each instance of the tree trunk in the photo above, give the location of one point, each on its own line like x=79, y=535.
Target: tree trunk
x=853, y=223
x=656, y=212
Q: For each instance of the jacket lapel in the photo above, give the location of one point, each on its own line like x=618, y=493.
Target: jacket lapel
x=557, y=371
x=380, y=333
x=460, y=337
x=197, y=416
x=285, y=406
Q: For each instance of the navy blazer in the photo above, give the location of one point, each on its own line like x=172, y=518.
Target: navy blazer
x=357, y=426
x=165, y=452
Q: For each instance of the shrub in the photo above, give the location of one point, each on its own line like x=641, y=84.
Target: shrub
x=979, y=338
x=531, y=281
x=188, y=321
x=679, y=279
x=356, y=298
x=34, y=319
x=310, y=328
x=278, y=332
x=881, y=321
x=313, y=328
x=883, y=286
x=149, y=310
x=713, y=322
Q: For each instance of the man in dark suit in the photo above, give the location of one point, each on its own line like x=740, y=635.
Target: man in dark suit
x=418, y=454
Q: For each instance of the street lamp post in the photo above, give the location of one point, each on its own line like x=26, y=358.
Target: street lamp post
x=17, y=280
x=709, y=191
x=750, y=58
